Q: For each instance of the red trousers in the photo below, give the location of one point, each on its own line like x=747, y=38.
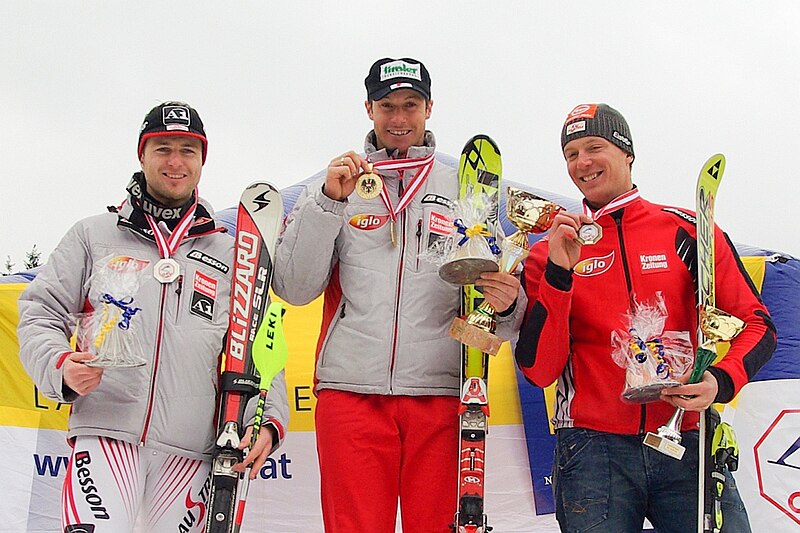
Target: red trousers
x=374, y=449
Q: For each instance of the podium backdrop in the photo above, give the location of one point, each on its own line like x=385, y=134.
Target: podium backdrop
x=285, y=497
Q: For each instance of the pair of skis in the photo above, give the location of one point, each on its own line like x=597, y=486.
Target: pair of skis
x=255, y=351
x=479, y=171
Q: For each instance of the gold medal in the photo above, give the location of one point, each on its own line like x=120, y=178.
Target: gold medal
x=369, y=184
x=590, y=233
x=391, y=231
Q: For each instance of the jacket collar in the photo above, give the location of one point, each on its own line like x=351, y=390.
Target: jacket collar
x=374, y=154
x=620, y=202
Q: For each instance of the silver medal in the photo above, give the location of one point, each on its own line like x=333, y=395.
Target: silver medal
x=166, y=270
x=590, y=233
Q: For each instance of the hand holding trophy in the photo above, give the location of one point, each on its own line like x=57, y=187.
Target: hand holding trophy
x=529, y=214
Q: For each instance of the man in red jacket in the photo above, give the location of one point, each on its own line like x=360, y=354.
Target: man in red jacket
x=579, y=293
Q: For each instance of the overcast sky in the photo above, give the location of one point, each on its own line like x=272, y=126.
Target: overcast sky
x=279, y=86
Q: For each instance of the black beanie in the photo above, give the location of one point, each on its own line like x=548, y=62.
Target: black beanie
x=597, y=120
x=172, y=118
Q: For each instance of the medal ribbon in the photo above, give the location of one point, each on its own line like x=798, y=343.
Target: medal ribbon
x=425, y=164
x=620, y=201
x=167, y=246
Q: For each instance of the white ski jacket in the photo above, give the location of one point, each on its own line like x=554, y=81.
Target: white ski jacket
x=168, y=404
x=387, y=313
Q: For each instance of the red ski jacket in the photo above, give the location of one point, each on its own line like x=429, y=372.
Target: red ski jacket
x=566, y=334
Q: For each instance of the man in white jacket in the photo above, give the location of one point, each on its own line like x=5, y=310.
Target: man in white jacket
x=387, y=372
x=142, y=436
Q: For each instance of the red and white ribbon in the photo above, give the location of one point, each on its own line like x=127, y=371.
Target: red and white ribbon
x=620, y=201
x=168, y=245
x=425, y=164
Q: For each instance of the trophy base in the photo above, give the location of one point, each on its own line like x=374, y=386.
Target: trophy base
x=475, y=337
x=103, y=362
x=664, y=445
x=467, y=270
x=647, y=393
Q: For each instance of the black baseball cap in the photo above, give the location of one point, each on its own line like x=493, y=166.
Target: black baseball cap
x=172, y=118
x=388, y=74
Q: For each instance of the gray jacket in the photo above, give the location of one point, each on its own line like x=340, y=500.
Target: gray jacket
x=168, y=404
x=387, y=312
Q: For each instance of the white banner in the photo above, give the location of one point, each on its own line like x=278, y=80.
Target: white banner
x=767, y=422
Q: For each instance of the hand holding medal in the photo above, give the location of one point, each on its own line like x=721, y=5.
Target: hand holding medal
x=342, y=175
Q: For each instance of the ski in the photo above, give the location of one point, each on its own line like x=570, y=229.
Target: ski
x=707, y=186
x=257, y=224
x=479, y=172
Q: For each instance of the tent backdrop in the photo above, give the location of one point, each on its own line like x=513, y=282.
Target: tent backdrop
x=284, y=498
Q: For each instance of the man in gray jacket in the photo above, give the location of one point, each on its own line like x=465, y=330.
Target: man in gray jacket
x=387, y=372
x=142, y=427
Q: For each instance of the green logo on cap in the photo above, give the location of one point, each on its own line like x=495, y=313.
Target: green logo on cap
x=400, y=69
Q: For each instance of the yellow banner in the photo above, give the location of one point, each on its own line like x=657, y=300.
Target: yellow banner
x=21, y=405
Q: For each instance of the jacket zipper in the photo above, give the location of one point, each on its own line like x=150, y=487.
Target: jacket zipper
x=396, y=321
x=419, y=241
x=617, y=216
x=179, y=291
x=154, y=372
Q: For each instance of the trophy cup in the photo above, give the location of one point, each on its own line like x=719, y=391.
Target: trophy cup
x=473, y=249
x=653, y=358
x=529, y=214
x=111, y=330
x=716, y=325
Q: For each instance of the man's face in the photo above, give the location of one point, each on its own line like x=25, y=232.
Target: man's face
x=399, y=119
x=598, y=168
x=171, y=166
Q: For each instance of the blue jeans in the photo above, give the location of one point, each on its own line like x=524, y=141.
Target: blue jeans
x=609, y=483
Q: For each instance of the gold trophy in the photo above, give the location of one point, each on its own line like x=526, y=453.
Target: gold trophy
x=529, y=214
x=716, y=326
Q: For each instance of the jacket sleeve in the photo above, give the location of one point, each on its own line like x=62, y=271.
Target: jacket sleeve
x=508, y=323
x=754, y=345
x=276, y=409
x=46, y=308
x=543, y=349
x=306, y=250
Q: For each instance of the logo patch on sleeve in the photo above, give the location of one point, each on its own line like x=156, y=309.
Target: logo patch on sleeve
x=594, y=266
x=368, y=221
x=204, y=295
x=654, y=262
x=440, y=224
